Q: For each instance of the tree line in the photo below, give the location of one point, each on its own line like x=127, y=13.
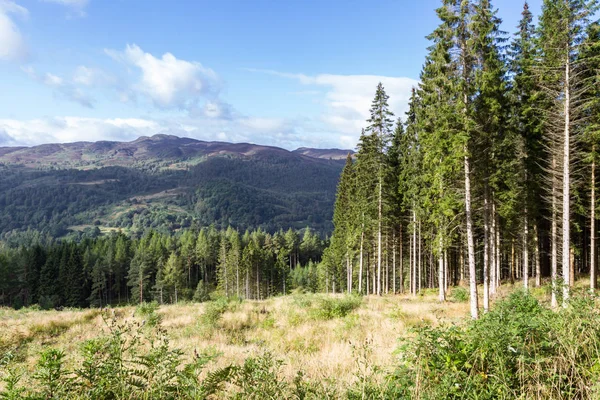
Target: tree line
x=490, y=176
x=116, y=269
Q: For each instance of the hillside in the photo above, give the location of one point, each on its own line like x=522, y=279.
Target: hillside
x=164, y=182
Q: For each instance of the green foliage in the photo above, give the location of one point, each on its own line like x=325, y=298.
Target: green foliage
x=334, y=307
x=149, y=310
x=258, y=378
x=265, y=190
x=519, y=349
x=459, y=294
x=213, y=310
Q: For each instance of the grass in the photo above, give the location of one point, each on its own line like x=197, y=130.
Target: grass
x=324, y=346
x=316, y=334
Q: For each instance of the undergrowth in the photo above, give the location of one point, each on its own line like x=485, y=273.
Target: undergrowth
x=520, y=349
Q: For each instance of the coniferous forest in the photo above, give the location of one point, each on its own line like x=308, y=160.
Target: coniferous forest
x=115, y=269
x=490, y=177
x=462, y=262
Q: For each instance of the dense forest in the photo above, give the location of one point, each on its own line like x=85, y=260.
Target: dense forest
x=115, y=269
x=270, y=188
x=491, y=175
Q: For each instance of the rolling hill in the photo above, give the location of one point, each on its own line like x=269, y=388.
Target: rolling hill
x=166, y=183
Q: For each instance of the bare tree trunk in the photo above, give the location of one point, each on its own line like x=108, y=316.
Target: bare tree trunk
x=525, y=252
x=360, y=262
x=447, y=270
x=410, y=264
x=566, y=194
x=247, y=283
x=492, y=240
x=571, y=267
x=512, y=262
x=538, y=268
x=414, y=257
x=237, y=280
x=401, y=280
x=593, y=224
x=441, y=272
x=470, y=241
x=554, y=234
x=419, y=266
x=379, y=217
x=394, y=263
x=497, y=255
x=486, y=250
x=348, y=275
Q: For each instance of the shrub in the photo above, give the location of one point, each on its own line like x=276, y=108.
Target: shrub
x=459, y=295
x=149, y=310
x=216, y=308
x=333, y=307
x=519, y=349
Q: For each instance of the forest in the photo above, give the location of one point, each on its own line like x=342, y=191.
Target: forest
x=491, y=175
x=115, y=269
x=268, y=191
x=462, y=262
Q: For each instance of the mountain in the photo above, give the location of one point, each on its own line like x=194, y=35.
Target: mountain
x=165, y=182
x=328, y=154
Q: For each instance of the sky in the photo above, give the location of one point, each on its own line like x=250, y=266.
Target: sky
x=285, y=73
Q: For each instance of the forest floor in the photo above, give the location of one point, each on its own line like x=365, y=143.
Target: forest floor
x=330, y=338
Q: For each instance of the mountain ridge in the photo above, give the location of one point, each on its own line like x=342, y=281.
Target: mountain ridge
x=165, y=182
x=146, y=148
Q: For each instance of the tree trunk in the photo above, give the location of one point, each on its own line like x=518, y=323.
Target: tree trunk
x=525, y=252
x=470, y=240
x=414, y=257
x=593, y=272
x=512, y=261
x=379, y=214
x=492, y=252
x=554, y=234
x=401, y=280
x=486, y=250
x=538, y=268
x=566, y=194
x=441, y=272
x=419, y=266
x=394, y=263
x=360, y=262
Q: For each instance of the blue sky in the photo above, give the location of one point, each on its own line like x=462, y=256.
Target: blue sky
x=288, y=73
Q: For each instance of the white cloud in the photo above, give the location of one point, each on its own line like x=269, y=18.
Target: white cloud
x=89, y=76
x=61, y=87
x=288, y=134
x=71, y=129
x=12, y=43
x=52, y=80
x=348, y=98
x=168, y=81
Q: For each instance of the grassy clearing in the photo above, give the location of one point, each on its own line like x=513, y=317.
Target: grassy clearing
x=316, y=334
x=308, y=346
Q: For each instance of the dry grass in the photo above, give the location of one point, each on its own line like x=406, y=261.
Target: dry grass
x=285, y=326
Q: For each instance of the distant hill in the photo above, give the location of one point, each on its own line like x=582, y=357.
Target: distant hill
x=328, y=154
x=165, y=182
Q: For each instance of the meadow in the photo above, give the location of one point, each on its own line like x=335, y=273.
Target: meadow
x=298, y=346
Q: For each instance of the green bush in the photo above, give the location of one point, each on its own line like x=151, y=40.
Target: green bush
x=216, y=308
x=519, y=349
x=459, y=295
x=149, y=310
x=334, y=307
